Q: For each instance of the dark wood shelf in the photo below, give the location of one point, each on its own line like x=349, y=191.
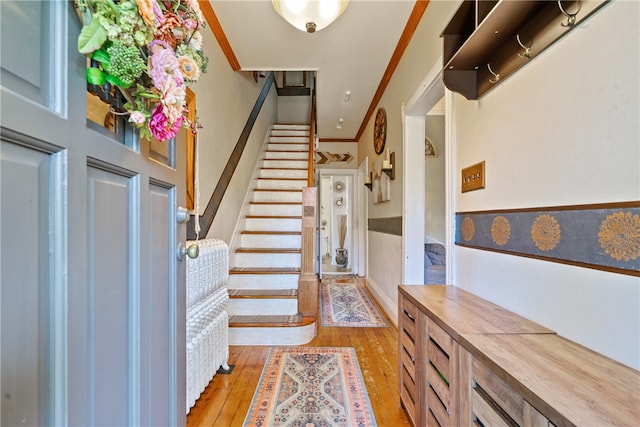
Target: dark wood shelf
x=483, y=33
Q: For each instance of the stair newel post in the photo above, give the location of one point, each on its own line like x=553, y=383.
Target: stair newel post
x=308, y=284
x=308, y=289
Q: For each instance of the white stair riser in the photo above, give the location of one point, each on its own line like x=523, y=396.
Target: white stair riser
x=291, y=139
x=262, y=306
x=288, y=184
x=263, y=281
x=272, y=336
x=279, y=155
x=285, y=164
x=277, y=196
x=281, y=126
x=273, y=224
x=243, y=259
x=288, y=147
x=274, y=209
x=283, y=173
x=289, y=132
x=270, y=241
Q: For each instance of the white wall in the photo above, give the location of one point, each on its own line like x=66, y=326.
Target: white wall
x=225, y=99
x=563, y=130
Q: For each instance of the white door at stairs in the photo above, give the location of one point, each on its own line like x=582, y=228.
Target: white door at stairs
x=92, y=292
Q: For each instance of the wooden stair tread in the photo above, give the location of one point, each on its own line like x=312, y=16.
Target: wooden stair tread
x=274, y=216
x=275, y=203
x=283, y=233
x=285, y=158
x=263, y=293
x=269, y=250
x=284, y=169
x=264, y=270
x=285, y=151
x=295, y=320
x=283, y=179
x=280, y=189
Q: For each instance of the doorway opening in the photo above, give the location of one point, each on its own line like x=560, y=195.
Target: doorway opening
x=338, y=247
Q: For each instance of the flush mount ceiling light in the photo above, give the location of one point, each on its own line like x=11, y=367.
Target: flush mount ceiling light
x=310, y=15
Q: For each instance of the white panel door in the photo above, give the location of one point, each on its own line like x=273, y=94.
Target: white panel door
x=92, y=298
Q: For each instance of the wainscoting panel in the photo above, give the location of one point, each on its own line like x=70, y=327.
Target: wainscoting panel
x=604, y=236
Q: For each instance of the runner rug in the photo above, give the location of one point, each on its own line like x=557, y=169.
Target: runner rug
x=311, y=386
x=345, y=302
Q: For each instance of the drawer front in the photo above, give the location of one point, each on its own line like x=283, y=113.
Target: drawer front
x=490, y=392
x=409, y=318
x=441, y=375
x=407, y=348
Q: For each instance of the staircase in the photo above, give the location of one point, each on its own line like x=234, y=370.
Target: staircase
x=265, y=267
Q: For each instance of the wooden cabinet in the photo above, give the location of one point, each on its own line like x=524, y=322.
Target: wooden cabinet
x=467, y=362
x=488, y=40
x=431, y=321
x=407, y=340
x=553, y=380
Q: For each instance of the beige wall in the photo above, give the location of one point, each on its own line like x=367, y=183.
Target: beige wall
x=385, y=271
x=563, y=130
x=224, y=100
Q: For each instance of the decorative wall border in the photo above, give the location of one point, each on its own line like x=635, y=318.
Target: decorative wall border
x=390, y=225
x=599, y=236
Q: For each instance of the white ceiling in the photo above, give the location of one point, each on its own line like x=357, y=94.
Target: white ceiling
x=351, y=54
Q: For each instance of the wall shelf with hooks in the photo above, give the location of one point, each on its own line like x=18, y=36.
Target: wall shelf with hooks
x=486, y=40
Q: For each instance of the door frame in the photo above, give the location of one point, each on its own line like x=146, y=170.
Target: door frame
x=426, y=96
x=353, y=211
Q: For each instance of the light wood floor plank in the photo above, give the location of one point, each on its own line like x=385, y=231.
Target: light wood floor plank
x=226, y=400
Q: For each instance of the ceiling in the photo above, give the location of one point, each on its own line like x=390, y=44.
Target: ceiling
x=352, y=54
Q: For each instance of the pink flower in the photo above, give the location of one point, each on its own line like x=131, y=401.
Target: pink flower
x=190, y=24
x=163, y=64
x=137, y=117
x=160, y=127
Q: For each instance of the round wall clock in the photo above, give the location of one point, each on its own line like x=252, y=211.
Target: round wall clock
x=380, y=131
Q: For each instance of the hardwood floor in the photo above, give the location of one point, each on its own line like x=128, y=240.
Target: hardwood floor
x=226, y=400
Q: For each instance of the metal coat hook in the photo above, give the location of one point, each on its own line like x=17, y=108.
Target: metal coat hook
x=527, y=50
x=571, y=17
x=496, y=78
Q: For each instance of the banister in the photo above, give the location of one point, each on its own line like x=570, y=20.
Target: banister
x=312, y=136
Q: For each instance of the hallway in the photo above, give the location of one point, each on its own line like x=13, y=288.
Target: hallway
x=226, y=400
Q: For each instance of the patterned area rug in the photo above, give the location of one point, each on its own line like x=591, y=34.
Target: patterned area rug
x=311, y=387
x=345, y=302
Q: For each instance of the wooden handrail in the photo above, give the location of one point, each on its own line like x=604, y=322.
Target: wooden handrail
x=312, y=136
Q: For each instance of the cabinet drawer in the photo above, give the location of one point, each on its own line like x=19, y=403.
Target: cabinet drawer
x=441, y=374
x=409, y=318
x=489, y=392
x=408, y=401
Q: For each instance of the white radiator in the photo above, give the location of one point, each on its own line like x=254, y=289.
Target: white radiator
x=207, y=317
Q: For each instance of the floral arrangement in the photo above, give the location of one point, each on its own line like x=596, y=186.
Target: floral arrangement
x=150, y=50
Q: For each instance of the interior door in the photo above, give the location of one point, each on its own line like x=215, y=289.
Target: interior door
x=92, y=298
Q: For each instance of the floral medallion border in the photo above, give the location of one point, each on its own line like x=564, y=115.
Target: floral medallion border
x=603, y=236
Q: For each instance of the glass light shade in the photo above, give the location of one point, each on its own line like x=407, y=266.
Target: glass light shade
x=310, y=15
